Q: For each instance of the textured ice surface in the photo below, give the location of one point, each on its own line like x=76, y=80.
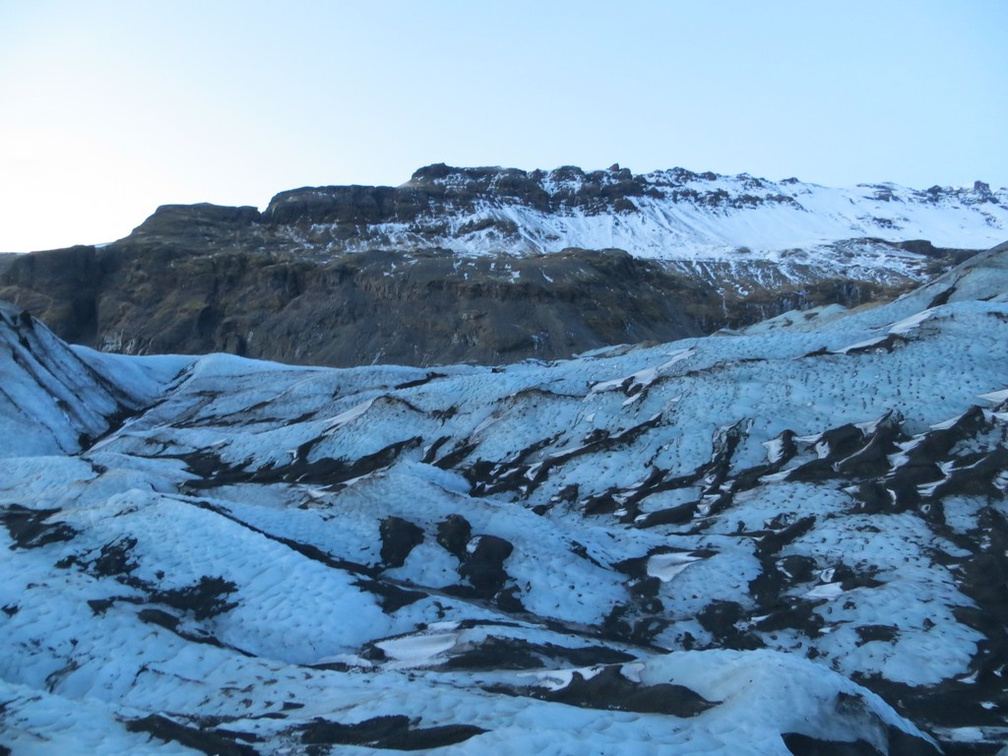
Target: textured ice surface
x=514, y=559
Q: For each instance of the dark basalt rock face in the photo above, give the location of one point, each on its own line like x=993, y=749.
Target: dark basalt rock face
x=62, y=286
x=437, y=188
x=150, y=297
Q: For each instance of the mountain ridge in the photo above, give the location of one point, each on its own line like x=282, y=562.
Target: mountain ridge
x=496, y=265
x=478, y=195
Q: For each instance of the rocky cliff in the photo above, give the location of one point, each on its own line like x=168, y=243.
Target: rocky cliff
x=358, y=309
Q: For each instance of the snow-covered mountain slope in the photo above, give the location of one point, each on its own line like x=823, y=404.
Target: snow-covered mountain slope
x=790, y=539
x=493, y=265
x=670, y=215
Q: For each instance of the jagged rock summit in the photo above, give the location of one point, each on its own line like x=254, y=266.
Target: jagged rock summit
x=495, y=265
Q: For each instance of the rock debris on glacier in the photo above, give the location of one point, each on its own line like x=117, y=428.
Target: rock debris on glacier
x=789, y=539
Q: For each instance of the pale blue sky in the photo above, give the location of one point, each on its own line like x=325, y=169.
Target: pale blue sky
x=109, y=108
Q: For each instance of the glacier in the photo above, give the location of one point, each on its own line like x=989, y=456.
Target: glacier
x=786, y=539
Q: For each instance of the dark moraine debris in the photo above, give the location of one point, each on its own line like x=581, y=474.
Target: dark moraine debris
x=677, y=515
x=100, y=606
x=984, y=576
x=488, y=478
x=873, y=497
x=334, y=471
x=899, y=743
x=453, y=533
x=804, y=745
x=798, y=567
x=648, y=588
x=723, y=446
x=390, y=732
x=976, y=477
x=851, y=578
x=460, y=451
x=508, y=600
x=204, y=599
x=601, y=503
x=115, y=558
x=635, y=567
x=210, y=742
x=785, y=449
x=950, y=705
x=398, y=537
x=609, y=689
x=432, y=449
x=28, y=527
x=517, y=653
x=813, y=471
x=721, y=618
x=588, y=656
x=158, y=617
x=391, y=598
x=869, y=633
x=904, y=744
x=171, y=623
x=420, y=381
x=937, y=443
x=580, y=550
x=326, y=471
x=872, y=459
x=774, y=542
x=796, y=613
x=498, y=653
x=483, y=565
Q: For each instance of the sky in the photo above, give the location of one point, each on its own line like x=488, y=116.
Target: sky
x=111, y=108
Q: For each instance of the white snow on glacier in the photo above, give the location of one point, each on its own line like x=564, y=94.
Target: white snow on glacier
x=767, y=542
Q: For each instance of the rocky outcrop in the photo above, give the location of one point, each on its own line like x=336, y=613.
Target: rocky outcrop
x=437, y=188
x=61, y=286
x=355, y=310
x=149, y=296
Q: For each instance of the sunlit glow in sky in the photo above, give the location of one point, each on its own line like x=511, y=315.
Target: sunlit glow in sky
x=110, y=108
